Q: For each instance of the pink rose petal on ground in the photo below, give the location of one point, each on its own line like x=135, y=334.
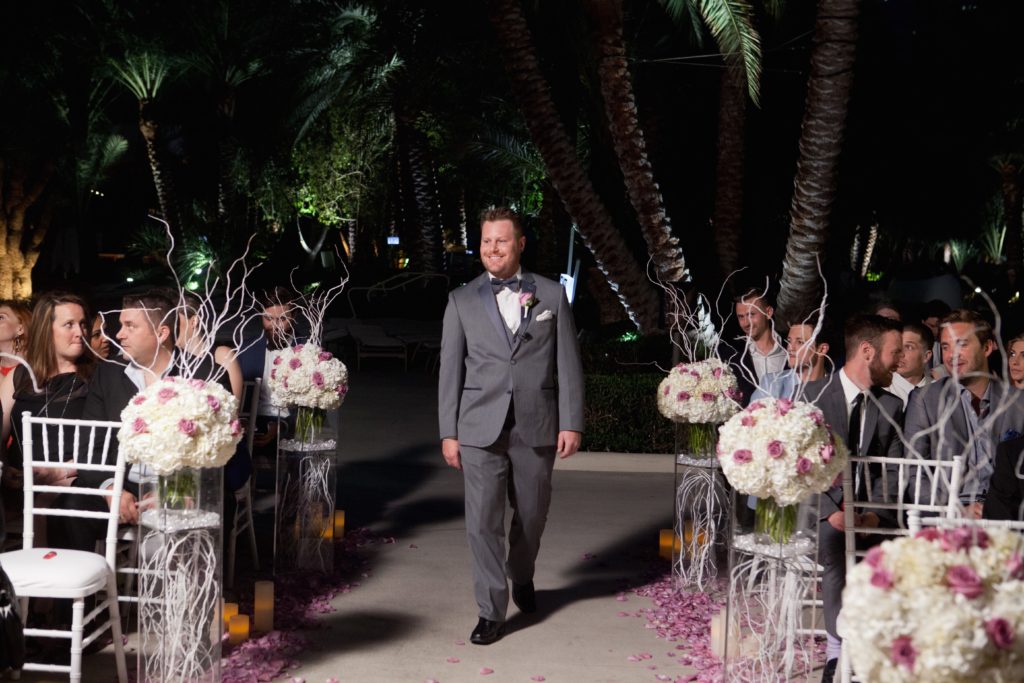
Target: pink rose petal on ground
x=332, y=680
x=486, y=671
x=624, y=614
x=632, y=658
x=460, y=642
x=537, y=678
x=589, y=556
x=453, y=660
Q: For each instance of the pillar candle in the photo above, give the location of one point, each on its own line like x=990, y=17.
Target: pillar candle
x=263, y=607
x=339, y=524
x=238, y=629
x=230, y=610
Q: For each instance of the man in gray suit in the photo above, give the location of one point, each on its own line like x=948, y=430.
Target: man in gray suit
x=968, y=412
x=867, y=424
x=510, y=397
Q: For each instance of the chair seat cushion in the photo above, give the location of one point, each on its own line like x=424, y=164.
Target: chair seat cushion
x=66, y=573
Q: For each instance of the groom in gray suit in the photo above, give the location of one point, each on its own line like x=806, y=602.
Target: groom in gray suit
x=510, y=397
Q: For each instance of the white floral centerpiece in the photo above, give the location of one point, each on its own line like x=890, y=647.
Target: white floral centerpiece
x=945, y=606
x=307, y=376
x=176, y=423
x=782, y=452
x=700, y=395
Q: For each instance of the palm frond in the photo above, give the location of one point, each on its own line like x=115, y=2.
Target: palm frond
x=685, y=13
x=731, y=23
x=510, y=153
x=142, y=73
x=992, y=239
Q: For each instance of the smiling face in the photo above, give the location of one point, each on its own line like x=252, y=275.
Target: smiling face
x=963, y=354
x=886, y=359
x=804, y=354
x=754, y=317
x=500, y=248
x=68, y=331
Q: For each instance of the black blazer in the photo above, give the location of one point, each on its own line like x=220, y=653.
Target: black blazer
x=1006, y=489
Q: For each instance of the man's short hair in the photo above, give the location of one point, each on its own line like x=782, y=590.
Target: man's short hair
x=502, y=213
x=922, y=331
x=936, y=308
x=982, y=328
x=868, y=328
x=158, y=305
x=751, y=294
x=276, y=296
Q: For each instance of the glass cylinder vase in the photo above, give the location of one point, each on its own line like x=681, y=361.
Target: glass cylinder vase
x=305, y=495
x=180, y=594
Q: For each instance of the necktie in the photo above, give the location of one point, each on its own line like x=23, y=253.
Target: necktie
x=498, y=284
x=853, y=438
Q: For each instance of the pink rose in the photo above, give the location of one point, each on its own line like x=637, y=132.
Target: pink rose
x=742, y=455
x=236, y=428
x=707, y=397
x=748, y=421
x=197, y=384
x=683, y=396
x=1015, y=567
x=681, y=367
x=1000, y=632
x=963, y=539
x=826, y=452
x=694, y=374
x=803, y=466
x=299, y=347
x=777, y=450
x=342, y=389
x=903, y=652
x=527, y=299
x=667, y=389
x=784, y=406
x=318, y=380
x=325, y=355
x=212, y=401
x=756, y=405
x=881, y=578
x=965, y=581
x=165, y=395
x=139, y=425
x=874, y=557
x=277, y=360
x=930, y=534
x=285, y=382
x=295, y=363
x=139, y=400
x=734, y=394
x=273, y=373
x=187, y=427
x=817, y=418
x=716, y=373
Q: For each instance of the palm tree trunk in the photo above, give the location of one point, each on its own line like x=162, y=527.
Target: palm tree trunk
x=161, y=180
x=727, y=221
x=821, y=137
x=629, y=144
x=425, y=254
x=20, y=191
x=565, y=171
x=1009, y=175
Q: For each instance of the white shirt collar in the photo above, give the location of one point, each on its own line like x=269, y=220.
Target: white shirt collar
x=138, y=375
x=850, y=390
x=518, y=275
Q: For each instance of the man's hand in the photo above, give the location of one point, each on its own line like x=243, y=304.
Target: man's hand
x=450, y=451
x=974, y=510
x=568, y=443
x=838, y=520
x=129, y=508
x=868, y=519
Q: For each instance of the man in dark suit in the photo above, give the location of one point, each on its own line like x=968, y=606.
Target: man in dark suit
x=967, y=412
x=510, y=397
x=1005, y=499
x=865, y=417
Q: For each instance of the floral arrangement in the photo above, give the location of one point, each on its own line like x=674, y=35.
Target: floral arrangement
x=307, y=376
x=177, y=422
x=944, y=606
x=779, y=449
x=700, y=392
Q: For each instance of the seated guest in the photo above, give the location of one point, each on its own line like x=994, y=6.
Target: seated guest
x=1005, y=499
x=967, y=412
x=931, y=317
x=868, y=426
x=278, y=321
x=14, y=323
x=98, y=340
x=53, y=385
x=146, y=341
x=807, y=358
x=888, y=310
x=1015, y=361
x=759, y=351
x=913, y=369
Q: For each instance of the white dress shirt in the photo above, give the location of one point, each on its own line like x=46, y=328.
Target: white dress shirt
x=508, y=305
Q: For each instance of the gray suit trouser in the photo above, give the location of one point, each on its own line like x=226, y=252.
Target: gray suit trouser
x=523, y=473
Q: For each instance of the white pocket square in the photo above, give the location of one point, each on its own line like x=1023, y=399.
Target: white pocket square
x=546, y=315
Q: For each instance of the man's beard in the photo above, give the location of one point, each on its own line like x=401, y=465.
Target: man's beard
x=881, y=376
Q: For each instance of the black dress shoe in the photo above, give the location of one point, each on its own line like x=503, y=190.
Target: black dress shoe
x=524, y=597
x=830, y=671
x=486, y=632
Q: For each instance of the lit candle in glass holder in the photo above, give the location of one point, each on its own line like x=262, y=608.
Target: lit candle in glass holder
x=238, y=629
x=339, y=524
x=667, y=541
x=263, y=607
x=230, y=610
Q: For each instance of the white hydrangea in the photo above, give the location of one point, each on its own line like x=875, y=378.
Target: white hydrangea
x=701, y=392
x=305, y=375
x=779, y=449
x=176, y=423
x=942, y=607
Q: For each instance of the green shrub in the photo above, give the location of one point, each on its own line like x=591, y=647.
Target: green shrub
x=621, y=414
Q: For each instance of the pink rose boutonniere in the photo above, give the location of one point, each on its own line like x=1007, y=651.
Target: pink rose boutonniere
x=527, y=300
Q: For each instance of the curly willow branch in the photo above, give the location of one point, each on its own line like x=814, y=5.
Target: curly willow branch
x=702, y=526
x=306, y=513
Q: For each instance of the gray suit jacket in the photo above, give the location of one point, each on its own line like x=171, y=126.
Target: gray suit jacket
x=484, y=366
x=881, y=438
x=938, y=403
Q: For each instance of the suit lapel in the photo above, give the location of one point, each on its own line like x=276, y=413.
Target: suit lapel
x=490, y=303
x=526, y=285
x=835, y=409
